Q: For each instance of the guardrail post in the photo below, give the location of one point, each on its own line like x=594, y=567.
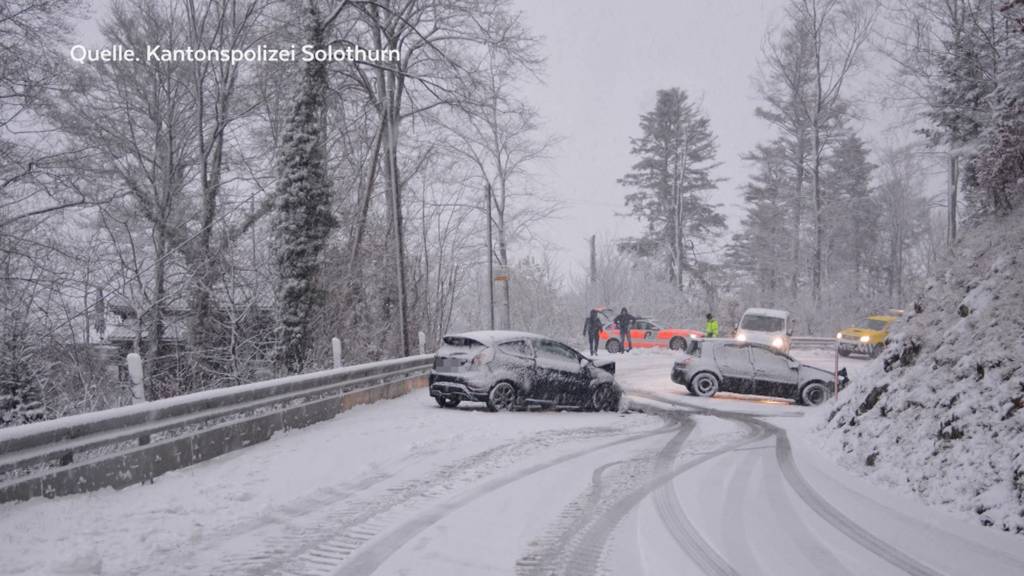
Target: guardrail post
x=835, y=375
x=336, y=351
x=135, y=373
x=423, y=343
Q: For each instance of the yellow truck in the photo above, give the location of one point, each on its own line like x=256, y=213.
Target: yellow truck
x=868, y=337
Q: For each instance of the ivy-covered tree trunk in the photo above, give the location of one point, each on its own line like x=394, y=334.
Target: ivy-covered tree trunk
x=302, y=213
x=19, y=393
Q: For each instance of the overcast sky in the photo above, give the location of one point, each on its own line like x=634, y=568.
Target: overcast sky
x=606, y=60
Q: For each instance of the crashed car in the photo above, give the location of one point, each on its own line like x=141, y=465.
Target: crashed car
x=749, y=368
x=511, y=370
x=646, y=333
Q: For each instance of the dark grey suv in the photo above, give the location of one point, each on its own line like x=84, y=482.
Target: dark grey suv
x=725, y=365
x=509, y=370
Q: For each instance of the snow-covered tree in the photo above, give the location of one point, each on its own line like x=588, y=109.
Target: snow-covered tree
x=760, y=251
x=1001, y=163
x=302, y=212
x=19, y=369
x=672, y=177
x=852, y=215
x=835, y=31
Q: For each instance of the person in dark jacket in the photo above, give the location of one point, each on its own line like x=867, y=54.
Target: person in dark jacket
x=592, y=330
x=624, y=322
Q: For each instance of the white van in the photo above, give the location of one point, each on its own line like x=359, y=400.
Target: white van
x=766, y=326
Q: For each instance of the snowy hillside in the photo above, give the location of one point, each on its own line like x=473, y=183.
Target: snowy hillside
x=940, y=412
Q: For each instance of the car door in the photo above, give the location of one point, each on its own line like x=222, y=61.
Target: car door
x=559, y=372
x=519, y=359
x=645, y=334
x=733, y=360
x=774, y=373
x=576, y=382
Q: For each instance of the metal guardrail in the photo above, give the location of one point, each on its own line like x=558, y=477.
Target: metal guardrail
x=132, y=444
x=812, y=342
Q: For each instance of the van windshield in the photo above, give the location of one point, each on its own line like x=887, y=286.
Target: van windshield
x=762, y=323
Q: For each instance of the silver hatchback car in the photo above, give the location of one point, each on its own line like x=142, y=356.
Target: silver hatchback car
x=747, y=368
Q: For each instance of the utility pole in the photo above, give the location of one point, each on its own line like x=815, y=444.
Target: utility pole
x=593, y=259
x=490, y=259
x=954, y=181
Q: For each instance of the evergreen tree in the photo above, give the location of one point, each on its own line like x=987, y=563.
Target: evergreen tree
x=760, y=251
x=676, y=152
x=853, y=214
x=302, y=212
x=786, y=83
x=19, y=396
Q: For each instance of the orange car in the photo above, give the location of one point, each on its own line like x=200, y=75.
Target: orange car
x=647, y=334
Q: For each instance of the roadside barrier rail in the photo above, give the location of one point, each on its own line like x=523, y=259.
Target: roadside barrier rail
x=812, y=342
x=133, y=444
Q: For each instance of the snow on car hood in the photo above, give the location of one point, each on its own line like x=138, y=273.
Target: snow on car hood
x=762, y=337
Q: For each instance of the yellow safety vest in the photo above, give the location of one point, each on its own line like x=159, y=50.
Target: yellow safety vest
x=711, y=328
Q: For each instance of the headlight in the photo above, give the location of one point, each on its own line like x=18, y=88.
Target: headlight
x=741, y=337
x=839, y=336
x=865, y=339
x=777, y=342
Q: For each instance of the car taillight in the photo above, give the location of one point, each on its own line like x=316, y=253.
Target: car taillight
x=483, y=357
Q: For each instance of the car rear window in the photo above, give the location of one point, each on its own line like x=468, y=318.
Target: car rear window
x=458, y=345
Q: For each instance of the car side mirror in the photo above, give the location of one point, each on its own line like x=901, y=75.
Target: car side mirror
x=794, y=364
x=789, y=332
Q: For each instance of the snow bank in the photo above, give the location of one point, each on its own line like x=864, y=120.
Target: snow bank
x=939, y=413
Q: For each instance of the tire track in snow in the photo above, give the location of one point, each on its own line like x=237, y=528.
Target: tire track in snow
x=872, y=543
x=583, y=552
x=736, y=538
x=683, y=531
x=578, y=515
x=578, y=547
x=806, y=541
x=375, y=553
x=348, y=524
x=784, y=458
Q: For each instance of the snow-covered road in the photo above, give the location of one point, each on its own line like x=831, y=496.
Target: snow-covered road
x=730, y=485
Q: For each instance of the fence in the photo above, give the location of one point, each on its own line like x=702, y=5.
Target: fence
x=132, y=444
x=812, y=342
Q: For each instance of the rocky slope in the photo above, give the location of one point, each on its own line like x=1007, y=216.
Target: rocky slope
x=941, y=412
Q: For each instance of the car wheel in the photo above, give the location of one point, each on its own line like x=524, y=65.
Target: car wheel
x=502, y=397
x=875, y=350
x=602, y=398
x=447, y=402
x=677, y=343
x=613, y=346
x=704, y=385
x=815, y=394
x=844, y=352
